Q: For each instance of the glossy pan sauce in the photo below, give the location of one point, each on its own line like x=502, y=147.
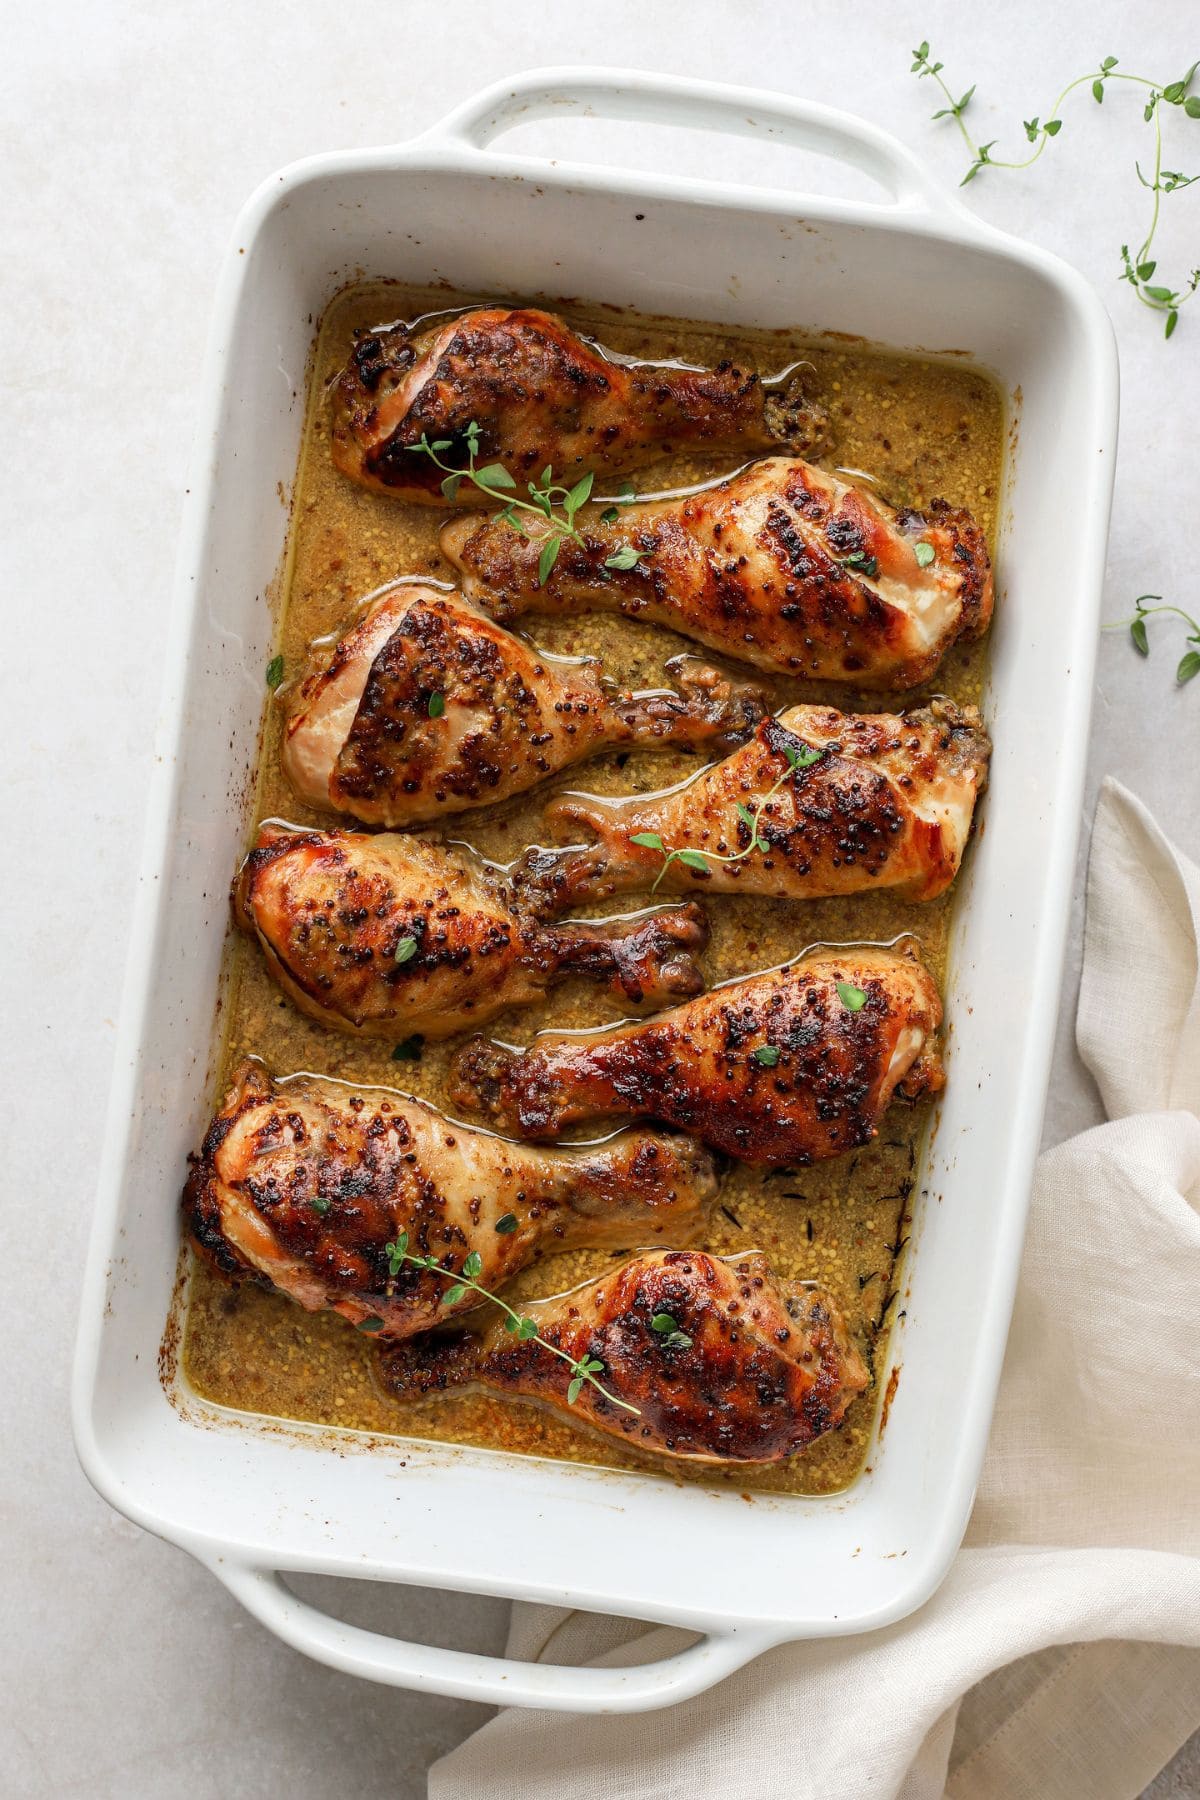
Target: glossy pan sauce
x=921, y=430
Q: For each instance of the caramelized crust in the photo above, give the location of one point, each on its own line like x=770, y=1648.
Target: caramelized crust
x=775, y=1068
x=303, y=1183
x=783, y=565
x=386, y=936
x=425, y=707
x=541, y=395
x=887, y=803
x=752, y=1367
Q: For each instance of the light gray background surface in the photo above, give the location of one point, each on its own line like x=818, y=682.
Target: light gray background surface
x=132, y=132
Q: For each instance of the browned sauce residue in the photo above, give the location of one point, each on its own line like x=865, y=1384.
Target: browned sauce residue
x=889, y=1394
x=922, y=429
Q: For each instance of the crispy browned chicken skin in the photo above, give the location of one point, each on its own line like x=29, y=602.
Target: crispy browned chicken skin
x=303, y=1183
x=390, y=935
x=786, y=1067
x=745, y=1366
x=886, y=804
x=542, y=396
x=426, y=707
x=783, y=565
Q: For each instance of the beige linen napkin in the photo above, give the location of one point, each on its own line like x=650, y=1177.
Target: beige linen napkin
x=1060, y=1660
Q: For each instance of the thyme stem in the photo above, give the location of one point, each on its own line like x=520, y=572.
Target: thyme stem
x=803, y=758
x=1189, y=664
x=548, y=500
x=583, y=1368
x=1138, y=270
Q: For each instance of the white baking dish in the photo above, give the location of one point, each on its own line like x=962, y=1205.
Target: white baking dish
x=911, y=270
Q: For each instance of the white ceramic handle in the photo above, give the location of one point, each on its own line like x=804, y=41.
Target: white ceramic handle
x=677, y=100
x=492, y=1680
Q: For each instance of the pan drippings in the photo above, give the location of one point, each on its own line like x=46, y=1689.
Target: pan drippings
x=920, y=430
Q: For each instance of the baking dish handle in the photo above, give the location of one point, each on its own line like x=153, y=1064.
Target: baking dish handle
x=645, y=98
x=491, y=1680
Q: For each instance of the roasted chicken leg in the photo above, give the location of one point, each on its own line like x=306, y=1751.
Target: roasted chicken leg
x=541, y=395
x=850, y=802
x=386, y=936
x=783, y=565
x=786, y=1067
x=426, y=707
x=304, y=1183
x=723, y=1360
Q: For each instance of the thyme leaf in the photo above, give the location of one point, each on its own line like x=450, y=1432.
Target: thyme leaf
x=1144, y=607
x=548, y=501
x=798, y=756
x=666, y=1327
x=584, y=1369
x=624, y=558
x=1137, y=267
x=862, y=562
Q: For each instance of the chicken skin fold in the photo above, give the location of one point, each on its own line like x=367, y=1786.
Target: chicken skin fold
x=723, y=1360
x=790, y=1066
x=424, y=707
x=385, y=936
x=849, y=803
x=783, y=566
x=542, y=396
x=303, y=1183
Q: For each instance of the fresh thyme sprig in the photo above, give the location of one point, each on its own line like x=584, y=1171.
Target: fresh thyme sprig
x=548, y=500
x=1137, y=267
x=1189, y=663
x=802, y=758
x=584, y=1369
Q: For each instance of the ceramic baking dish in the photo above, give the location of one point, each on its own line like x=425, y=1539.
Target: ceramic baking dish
x=909, y=269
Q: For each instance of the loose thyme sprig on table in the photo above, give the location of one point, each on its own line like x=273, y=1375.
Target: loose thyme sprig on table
x=1189, y=663
x=548, y=499
x=797, y=759
x=1138, y=267
x=584, y=1369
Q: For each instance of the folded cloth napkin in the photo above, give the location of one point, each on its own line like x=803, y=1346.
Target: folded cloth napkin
x=1060, y=1660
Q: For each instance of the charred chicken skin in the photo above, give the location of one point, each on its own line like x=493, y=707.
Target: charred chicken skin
x=783, y=565
x=302, y=1183
x=541, y=395
x=743, y=1366
x=790, y=1066
x=389, y=935
x=850, y=802
x=425, y=707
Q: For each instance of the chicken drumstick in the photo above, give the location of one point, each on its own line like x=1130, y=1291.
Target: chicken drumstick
x=304, y=1183
x=542, y=396
x=385, y=936
x=783, y=565
x=849, y=803
x=426, y=707
x=786, y=1067
x=722, y=1360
